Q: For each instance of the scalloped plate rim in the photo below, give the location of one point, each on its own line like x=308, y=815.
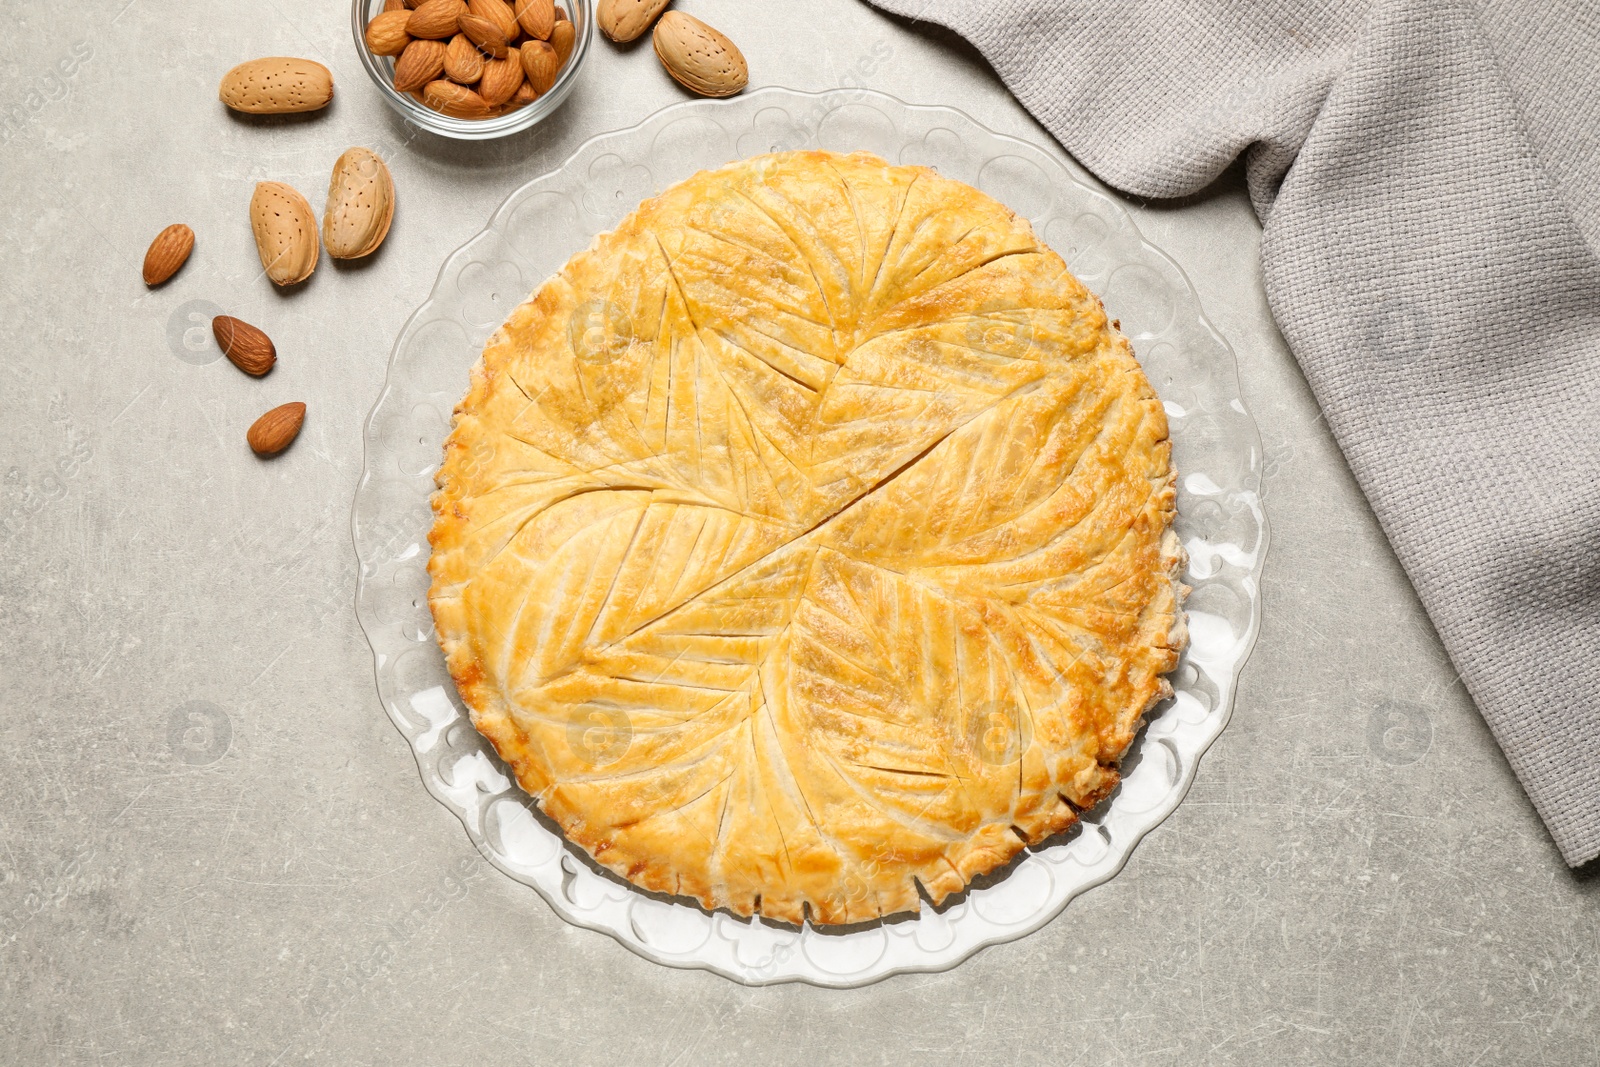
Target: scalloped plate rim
x=1141, y=823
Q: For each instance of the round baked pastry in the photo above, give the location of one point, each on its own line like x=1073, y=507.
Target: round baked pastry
x=808, y=539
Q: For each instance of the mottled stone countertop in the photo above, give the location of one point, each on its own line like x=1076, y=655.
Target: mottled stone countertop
x=1355, y=876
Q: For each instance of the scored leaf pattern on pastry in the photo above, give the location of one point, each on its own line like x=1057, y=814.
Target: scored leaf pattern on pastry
x=808, y=539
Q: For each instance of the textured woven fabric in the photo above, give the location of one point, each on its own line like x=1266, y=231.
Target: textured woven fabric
x=1428, y=177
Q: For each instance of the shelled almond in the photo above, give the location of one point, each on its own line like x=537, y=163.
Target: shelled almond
x=563, y=38
x=168, y=252
x=457, y=101
x=501, y=56
x=498, y=12
x=463, y=63
x=486, y=35
x=501, y=78
x=541, y=64
x=245, y=345
x=276, y=430
x=419, y=64
x=436, y=19
x=537, y=17
x=387, y=35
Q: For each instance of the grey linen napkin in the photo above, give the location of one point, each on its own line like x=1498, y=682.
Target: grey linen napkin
x=1428, y=177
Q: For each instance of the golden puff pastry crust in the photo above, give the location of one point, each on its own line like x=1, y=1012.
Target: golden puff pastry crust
x=809, y=538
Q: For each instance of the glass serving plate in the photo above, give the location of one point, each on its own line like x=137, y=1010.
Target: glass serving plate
x=1220, y=520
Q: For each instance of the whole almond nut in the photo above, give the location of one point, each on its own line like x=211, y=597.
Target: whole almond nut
x=276, y=430
x=419, y=64
x=484, y=33
x=561, y=14
x=522, y=98
x=537, y=17
x=699, y=58
x=394, y=5
x=436, y=19
x=245, y=346
x=627, y=20
x=541, y=64
x=562, y=39
x=501, y=79
x=463, y=62
x=457, y=101
x=498, y=12
x=285, y=232
x=277, y=85
x=360, y=205
x=386, y=33
x=169, y=251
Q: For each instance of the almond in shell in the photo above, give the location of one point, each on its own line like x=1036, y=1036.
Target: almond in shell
x=245, y=346
x=437, y=19
x=285, y=232
x=699, y=57
x=419, y=64
x=167, y=253
x=457, y=101
x=537, y=17
x=277, y=85
x=541, y=64
x=276, y=430
x=463, y=63
x=360, y=205
x=627, y=20
x=386, y=33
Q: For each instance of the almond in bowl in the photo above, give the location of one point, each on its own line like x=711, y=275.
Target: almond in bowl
x=473, y=69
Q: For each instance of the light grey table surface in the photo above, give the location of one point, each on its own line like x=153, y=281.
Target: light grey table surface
x=1354, y=878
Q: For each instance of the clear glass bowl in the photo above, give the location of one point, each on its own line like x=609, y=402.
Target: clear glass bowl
x=381, y=70
x=1216, y=447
